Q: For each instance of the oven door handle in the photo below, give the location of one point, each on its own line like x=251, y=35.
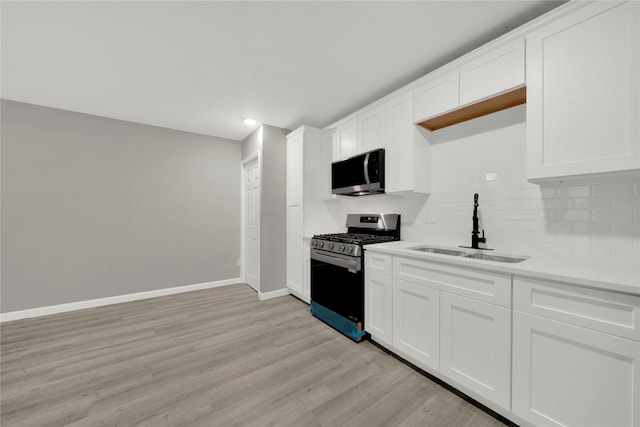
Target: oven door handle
x=352, y=265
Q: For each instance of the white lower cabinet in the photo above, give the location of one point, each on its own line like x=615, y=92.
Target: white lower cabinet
x=576, y=355
x=377, y=306
x=566, y=375
x=411, y=306
x=539, y=352
x=415, y=322
x=475, y=346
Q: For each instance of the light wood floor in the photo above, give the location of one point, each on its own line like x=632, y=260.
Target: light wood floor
x=217, y=357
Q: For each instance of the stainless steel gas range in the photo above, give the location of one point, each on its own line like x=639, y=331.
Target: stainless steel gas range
x=337, y=273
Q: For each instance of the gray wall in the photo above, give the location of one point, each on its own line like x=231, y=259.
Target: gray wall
x=273, y=230
x=95, y=207
x=272, y=144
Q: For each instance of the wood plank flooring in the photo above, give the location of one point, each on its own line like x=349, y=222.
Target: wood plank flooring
x=218, y=357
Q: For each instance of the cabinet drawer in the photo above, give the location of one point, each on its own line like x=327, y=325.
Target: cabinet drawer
x=377, y=263
x=481, y=285
x=610, y=312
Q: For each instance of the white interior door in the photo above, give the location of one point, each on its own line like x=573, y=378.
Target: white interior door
x=251, y=223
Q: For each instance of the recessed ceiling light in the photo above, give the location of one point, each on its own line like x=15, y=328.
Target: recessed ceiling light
x=249, y=122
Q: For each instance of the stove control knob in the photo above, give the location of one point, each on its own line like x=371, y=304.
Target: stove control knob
x=314, y=243
x=330, y=246
x=341, y=248
x=320, y=244
x=350, y=250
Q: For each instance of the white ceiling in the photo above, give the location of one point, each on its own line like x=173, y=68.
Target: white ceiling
x=203, y=66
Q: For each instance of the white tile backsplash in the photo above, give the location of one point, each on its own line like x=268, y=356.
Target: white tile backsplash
x=593, y=220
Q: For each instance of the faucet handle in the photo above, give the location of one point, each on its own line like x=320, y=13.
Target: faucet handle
x=482, y=239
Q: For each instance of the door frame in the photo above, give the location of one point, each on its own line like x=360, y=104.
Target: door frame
x=243, y=210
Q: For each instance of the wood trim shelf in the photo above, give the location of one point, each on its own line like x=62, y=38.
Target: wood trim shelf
x=479, y=109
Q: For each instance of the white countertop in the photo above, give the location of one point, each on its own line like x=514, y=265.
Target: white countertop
x=621, y=278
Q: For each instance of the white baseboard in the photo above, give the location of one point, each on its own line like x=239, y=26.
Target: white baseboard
x=79, y=305
x=273, y=294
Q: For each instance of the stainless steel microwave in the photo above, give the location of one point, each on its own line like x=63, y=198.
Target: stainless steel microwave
x=359, y=175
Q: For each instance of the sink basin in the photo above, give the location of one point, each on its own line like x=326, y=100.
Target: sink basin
x=439, y=250
x=474, y=255
x=495, y=258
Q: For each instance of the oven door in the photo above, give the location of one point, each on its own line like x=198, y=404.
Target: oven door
x=337, y=283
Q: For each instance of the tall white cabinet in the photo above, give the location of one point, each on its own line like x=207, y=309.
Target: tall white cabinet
x=583, y=93
x=304, y=149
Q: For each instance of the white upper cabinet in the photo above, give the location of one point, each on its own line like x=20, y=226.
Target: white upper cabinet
x=362, y=133
x=492, y=72
x=346, y=140
x=438, y=94
x=445, y=98
x=583, y=93
x=407, y=153
x=295, y=163
x=371, y=129
x=388, y=125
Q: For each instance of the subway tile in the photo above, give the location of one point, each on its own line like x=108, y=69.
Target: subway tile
x=574, y=191
x=526, y=193
x=599, y=228
x=614, y=189
x=573, y=215
x=580, y=227
x=612, y=215
x=561, y=203
x=559, y=227
x=548, y=192
x=626, y=202
x=625, y=229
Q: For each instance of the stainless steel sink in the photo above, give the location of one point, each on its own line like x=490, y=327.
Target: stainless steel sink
x=439, y=250
x=474, y=255
x=495, y=258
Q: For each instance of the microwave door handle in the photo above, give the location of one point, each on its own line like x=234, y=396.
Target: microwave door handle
x=351, y=265
x=366, y=169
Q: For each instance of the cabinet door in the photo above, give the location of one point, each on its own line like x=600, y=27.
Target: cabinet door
x=371, y=130
x=399, y=150
x=346, y=140
x=565, y=375
x=377, y=307
x=493, y=72
x=416, y=322
x=295, y=165
x=583, y=92
x=475, y=352
x=436, y=95
x=295, y=266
